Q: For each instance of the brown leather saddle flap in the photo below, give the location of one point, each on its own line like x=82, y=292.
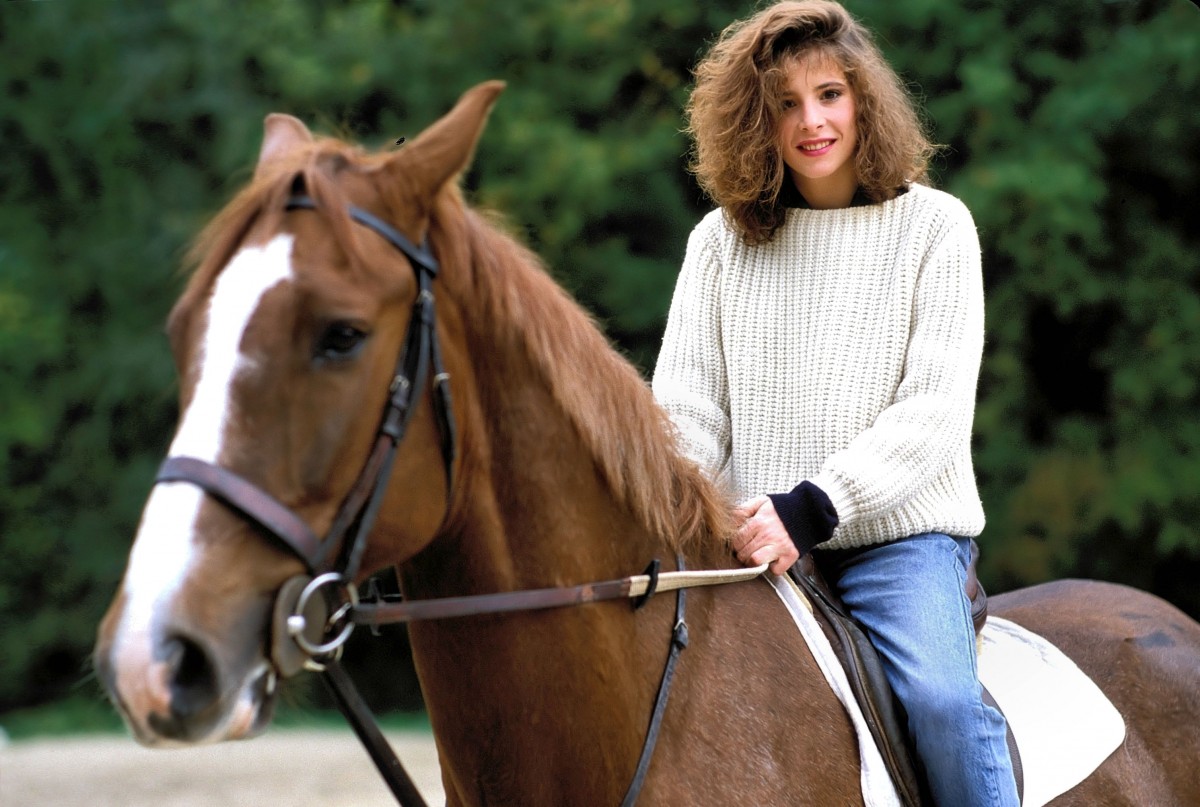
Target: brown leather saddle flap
x=882, y=713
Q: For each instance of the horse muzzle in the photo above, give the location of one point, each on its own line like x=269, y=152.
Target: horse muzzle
x=173, y=688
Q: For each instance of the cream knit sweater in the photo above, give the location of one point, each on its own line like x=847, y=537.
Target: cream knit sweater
x=845, y=351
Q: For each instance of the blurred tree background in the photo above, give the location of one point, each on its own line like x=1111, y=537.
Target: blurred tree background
x=1071, y=129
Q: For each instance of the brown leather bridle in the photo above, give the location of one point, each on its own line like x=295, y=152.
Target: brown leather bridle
x=308, y=630
x=316, y=612
x=420, y=357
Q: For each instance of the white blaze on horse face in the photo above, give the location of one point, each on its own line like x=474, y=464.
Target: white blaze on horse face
x=165, y=546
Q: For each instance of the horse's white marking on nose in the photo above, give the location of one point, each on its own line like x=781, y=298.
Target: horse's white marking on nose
x=164, y=547
x=239, y=289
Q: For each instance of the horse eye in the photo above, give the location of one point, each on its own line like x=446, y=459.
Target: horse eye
x=340, y=341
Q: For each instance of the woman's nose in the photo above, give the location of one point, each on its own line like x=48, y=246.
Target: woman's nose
x=811, y=117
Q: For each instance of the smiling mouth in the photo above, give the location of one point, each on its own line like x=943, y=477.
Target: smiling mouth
x=818, y=146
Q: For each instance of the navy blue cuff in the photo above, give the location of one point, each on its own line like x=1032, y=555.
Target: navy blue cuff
x=808, y=515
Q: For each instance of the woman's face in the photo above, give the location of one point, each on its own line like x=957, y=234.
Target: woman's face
x=818, y=131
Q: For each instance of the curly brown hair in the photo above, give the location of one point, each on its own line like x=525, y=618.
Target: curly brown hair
x=734, y=111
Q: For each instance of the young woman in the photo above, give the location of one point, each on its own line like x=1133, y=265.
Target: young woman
x=822, y=352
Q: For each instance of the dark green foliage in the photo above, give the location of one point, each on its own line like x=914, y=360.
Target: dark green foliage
x=1071, y=131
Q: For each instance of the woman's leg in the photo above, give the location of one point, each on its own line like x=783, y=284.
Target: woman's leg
x=909, y=597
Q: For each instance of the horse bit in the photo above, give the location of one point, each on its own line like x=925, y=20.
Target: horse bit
x=314, y=614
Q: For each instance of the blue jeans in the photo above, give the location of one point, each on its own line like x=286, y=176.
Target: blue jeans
x=909, y=597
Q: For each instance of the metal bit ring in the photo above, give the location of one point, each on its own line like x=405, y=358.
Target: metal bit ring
x=296, y=622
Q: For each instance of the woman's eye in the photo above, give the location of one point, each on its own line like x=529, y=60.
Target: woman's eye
x=339, y=341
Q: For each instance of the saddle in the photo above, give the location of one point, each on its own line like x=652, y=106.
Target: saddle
x=882, y=712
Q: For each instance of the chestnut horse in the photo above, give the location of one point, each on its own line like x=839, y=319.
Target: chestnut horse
x=286, y=339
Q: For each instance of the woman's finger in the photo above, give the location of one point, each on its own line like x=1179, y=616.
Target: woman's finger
x=748, y=508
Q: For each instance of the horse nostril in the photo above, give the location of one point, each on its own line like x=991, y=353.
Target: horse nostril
x=192, y=677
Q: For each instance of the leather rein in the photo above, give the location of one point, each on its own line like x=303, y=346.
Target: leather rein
x=315, y=613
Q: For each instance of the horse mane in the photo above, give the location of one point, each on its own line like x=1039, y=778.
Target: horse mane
x=611, y=407
x=630, y=437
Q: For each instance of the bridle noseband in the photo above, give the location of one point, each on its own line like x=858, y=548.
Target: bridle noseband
x=315, y=613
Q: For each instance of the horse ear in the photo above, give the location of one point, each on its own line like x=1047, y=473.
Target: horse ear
x=444, y=150
x=281, y=134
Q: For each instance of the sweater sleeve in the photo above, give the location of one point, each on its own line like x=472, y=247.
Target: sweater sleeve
x=916, y=437
x=690, y=381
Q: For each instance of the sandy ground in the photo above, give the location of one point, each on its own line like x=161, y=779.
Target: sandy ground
x=284, y=768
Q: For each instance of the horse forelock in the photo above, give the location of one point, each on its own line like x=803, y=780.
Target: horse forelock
x=258, y=209
x=609, y=404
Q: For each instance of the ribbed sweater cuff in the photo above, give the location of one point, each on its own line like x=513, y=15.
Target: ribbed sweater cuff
x=807, y=514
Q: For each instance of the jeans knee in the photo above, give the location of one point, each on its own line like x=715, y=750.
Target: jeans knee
x=942, y=708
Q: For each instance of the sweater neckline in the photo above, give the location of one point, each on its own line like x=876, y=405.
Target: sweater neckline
x=790, y=197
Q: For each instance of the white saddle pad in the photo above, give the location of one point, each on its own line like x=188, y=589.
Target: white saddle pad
x=1063, y=724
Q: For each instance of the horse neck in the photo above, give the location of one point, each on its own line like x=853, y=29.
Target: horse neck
x=508, y=694
x=512, y=692
x=533, y=510
x=544, y=499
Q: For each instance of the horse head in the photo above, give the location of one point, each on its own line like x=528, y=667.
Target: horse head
x=286, y=341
